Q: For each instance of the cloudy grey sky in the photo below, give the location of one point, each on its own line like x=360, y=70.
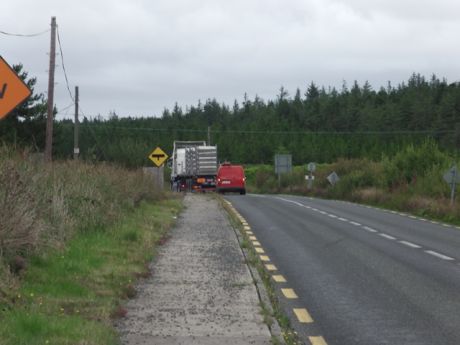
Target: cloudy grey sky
x=137, y=57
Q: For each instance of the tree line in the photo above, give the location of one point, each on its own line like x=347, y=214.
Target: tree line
x=320, y=124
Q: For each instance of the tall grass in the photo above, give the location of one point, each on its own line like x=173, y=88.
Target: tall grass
x=44, y=205
x=411, y=180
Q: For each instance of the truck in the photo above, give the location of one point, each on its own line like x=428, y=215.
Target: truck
x=193, y=166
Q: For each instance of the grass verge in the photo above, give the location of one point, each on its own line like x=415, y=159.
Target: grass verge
x=72, y=296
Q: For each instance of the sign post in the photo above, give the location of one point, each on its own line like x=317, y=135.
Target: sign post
x=158, y=157
x=452, y=177
x=283, y=164
x=13, y=90
x=311, y=168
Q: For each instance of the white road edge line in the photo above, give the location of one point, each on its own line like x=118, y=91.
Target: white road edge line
x=439, y=255
x=355, y=223
x=410, y=244
x=388, y=237
x=369, y=229
x=343, y=219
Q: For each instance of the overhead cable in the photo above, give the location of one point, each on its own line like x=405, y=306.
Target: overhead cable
x=24, y=35
x=63, y=66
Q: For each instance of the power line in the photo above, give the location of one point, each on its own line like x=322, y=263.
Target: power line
x=63, y=66
x=24, y=35
x=146, y=129
x=60, y=112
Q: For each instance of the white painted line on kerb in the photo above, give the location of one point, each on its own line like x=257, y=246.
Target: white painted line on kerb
x=343, y=219
x=413, y=217
x=446, y=225
x=410, y=244
x=388, y=237
x=355, y=223
x=439, y=255
x=369, y=229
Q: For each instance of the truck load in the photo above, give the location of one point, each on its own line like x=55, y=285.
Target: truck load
x=194, y=166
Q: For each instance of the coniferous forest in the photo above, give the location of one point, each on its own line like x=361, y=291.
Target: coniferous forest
x=316, y=124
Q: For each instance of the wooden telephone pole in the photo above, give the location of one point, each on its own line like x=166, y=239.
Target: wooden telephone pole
x=76, y=149
x=49, y=119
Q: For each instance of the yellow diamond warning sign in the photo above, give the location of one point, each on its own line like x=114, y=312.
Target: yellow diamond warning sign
x=13, y=90
x=158, y=157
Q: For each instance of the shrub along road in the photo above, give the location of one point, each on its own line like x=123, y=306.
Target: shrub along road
x=361, y=275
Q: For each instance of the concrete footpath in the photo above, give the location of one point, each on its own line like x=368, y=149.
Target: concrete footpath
x=201, y=291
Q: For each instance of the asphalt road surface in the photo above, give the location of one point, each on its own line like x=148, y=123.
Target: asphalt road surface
x=364, y=276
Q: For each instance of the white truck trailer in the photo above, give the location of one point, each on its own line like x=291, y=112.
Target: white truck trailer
x=194, y=166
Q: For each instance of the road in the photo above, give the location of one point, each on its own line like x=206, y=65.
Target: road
x=364, y=276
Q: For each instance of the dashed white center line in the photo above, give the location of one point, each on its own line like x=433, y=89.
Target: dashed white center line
x=388, y=237
x=381, y=234
x=369, y=229
x=410, y=244
x=439, y=255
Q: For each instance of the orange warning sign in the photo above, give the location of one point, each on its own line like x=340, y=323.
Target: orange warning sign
x=13, y=91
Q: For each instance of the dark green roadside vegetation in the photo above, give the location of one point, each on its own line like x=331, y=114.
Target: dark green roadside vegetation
x=313, y=123
x=74, y=238
x=410, y=181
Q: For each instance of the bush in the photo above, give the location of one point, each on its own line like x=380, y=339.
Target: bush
x=413, y=162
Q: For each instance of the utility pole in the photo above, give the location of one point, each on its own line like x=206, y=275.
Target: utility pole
x=209, y=135
x=49, y=119
x=76, y=149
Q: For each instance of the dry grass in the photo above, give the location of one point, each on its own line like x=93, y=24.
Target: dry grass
x=43, y=206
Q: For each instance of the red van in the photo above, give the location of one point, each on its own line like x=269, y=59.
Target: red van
x=230, y=178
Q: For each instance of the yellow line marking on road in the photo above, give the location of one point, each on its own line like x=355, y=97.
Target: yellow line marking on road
x=253, y=238
x=270, y=267
x=249, y=232
x=303, y=315
x=279, y=278
x=317, y=340
x=246, y=227
x=256, y=244
x=259, y=250
x=264, y=258
x=289, y=293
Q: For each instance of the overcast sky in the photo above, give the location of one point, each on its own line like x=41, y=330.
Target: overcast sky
x=137, y=57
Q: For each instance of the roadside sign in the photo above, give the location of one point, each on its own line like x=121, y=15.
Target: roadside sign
x=311, y=167
x=13, y=91
x=452, y=176
x=283, y=164
x=158, y=157
x=308, y=177
x=333, y=178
